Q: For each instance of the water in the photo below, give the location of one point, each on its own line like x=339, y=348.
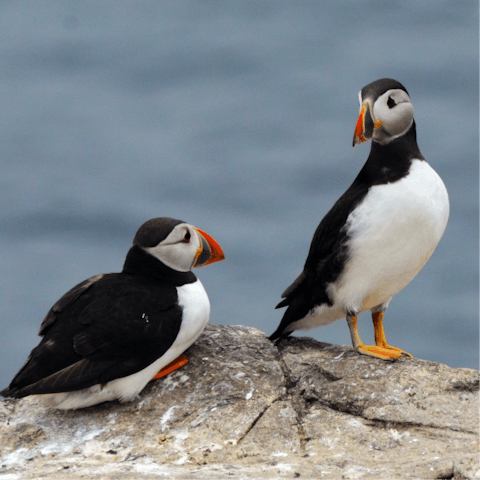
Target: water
x=237, y=117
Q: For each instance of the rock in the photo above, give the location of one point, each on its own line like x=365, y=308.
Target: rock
x=243, y=408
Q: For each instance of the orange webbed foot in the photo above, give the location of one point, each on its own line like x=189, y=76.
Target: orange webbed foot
x=381, y=349
x=384, y=352
x=172, y=366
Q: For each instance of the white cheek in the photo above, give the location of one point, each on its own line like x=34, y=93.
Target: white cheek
x=179, y=256
x=397, y=120
x=400, y=119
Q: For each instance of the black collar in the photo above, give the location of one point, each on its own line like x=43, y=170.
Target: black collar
x=139, y=262
x=391, y=162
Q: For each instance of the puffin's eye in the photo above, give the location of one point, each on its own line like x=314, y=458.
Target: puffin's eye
x=391, y=102
x=187, y=236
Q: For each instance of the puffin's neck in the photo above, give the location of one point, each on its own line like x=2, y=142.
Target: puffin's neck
x=391, y=162
x=138, y=262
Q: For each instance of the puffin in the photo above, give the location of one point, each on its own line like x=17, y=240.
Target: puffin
x=378, y=235
x=108, y=336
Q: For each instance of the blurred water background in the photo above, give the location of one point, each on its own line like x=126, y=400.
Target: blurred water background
x=238, y=117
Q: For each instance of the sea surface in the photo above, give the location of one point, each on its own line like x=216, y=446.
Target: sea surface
x=237, y=117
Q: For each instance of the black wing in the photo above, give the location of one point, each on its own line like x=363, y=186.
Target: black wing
x=66, y=300
x=100, y=330
x=325, y=261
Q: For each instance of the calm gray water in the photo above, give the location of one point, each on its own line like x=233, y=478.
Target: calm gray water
x=238, y=117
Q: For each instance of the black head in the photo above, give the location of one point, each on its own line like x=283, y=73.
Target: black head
x=379, y=87
x=386, y=112
x=176, y=244
x=153, y=231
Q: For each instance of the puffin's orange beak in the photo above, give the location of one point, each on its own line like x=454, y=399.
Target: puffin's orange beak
x=358, y=136
x=365, y=124
x=208, y=252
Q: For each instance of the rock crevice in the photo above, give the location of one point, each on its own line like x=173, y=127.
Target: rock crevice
x=244, y=407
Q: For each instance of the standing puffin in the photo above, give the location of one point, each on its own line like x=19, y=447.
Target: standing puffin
x=107, y=337
x=379, y=234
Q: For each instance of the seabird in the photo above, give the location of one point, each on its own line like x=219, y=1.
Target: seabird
x=379, y=234
x=107, y=337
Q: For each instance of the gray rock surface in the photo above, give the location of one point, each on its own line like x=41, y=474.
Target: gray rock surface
x=243, y=408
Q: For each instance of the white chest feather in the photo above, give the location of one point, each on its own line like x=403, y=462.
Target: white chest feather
x=393, y=232
x=196, y=313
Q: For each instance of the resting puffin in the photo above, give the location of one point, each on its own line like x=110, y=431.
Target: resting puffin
x=379, y=234
x=107, y=337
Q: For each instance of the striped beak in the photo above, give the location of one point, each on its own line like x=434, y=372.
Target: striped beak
x=209, y=251
x=365, y=124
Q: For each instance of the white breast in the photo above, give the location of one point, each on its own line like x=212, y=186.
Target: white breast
x=393, y=232
x=196, y=313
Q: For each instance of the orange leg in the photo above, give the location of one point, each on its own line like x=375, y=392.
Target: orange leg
x=380, y=339
x=381, y=349
x=172, y=366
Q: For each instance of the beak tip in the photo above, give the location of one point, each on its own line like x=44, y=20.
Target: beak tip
x=357, y=139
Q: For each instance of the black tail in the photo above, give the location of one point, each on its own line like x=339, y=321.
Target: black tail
x=278, y=334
